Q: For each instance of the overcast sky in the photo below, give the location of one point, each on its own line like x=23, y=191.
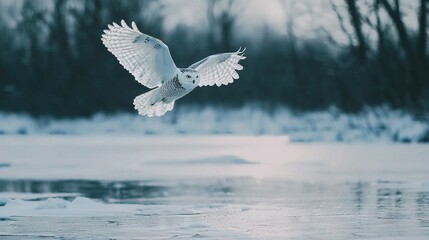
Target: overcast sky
x=254, y=14
x=310, y=16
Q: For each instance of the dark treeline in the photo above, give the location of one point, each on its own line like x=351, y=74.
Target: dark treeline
x=52, y=61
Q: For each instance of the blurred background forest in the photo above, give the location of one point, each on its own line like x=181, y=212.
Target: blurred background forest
x=52, y=61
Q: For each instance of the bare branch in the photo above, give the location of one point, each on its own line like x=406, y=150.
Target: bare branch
x=222, y=15
x=341, y=22
x=355, y=20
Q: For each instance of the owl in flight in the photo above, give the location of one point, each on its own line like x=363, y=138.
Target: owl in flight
x=149, y=61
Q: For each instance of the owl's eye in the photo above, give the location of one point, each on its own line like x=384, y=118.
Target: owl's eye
x=188, y=76
x=197, y=76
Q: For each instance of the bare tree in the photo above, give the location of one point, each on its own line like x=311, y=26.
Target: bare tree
x=32, y=29
x=423, y=35
x=289, y=9
x=414, y=82
x=341, y=21
x=222, y=15
x=355, y=19
x=394, y=13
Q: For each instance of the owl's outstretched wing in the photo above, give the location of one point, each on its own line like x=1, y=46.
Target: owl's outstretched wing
x=146, y=58
x=219, y=69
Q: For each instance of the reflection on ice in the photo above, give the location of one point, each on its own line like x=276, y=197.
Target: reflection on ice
x=218, y=160
x=211, y=187
x=252, y=208
x=4, y=165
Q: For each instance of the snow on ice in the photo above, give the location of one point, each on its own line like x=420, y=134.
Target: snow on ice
x=379, y=124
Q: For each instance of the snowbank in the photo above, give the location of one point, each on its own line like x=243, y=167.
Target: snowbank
x=379, y=124
x=58, y=206
x=82, y=206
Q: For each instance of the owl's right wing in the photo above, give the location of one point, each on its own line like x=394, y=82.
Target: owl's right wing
x=219, y=69
x=146, y=58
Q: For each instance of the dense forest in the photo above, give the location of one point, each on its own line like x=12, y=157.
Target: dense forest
x=52, y=61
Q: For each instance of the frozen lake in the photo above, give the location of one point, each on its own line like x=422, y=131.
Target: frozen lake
x=210, y=187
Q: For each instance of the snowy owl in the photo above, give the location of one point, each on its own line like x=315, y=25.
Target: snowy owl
x=149, y=61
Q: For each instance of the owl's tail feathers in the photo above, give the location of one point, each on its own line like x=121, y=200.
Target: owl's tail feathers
x=149, y=104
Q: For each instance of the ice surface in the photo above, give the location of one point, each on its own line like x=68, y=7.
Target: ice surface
x=377, y=124
x=184, y=187
x=3, y=201
x=133, y=157
x=218, y=160
x=4, y=165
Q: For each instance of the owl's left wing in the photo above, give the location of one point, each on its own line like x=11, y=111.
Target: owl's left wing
x=146, y=58
x=219, y=69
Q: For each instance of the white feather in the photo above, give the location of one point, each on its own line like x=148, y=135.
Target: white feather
x=219, y=69
x=148, y=59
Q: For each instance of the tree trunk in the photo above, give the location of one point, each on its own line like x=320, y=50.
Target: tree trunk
x=226, y=31
x=423, y=37
x=395, y=15
x=357, y=25
x=414, y=83
x=211, y=35
x=221, y=20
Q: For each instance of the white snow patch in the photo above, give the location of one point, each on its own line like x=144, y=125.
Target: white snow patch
x=80, y=206
x=53, y=203
x=375, y=124
x=36, y=196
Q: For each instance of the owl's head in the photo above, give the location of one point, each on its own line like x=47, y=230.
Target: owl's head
x=189, y=77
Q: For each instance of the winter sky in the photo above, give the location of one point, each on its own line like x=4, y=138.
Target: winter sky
x=312, y=18
x=253, y=14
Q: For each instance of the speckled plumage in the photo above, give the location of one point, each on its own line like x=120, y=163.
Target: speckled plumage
x=148, y=59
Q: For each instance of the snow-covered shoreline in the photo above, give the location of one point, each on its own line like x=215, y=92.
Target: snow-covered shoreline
x=379, y=124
